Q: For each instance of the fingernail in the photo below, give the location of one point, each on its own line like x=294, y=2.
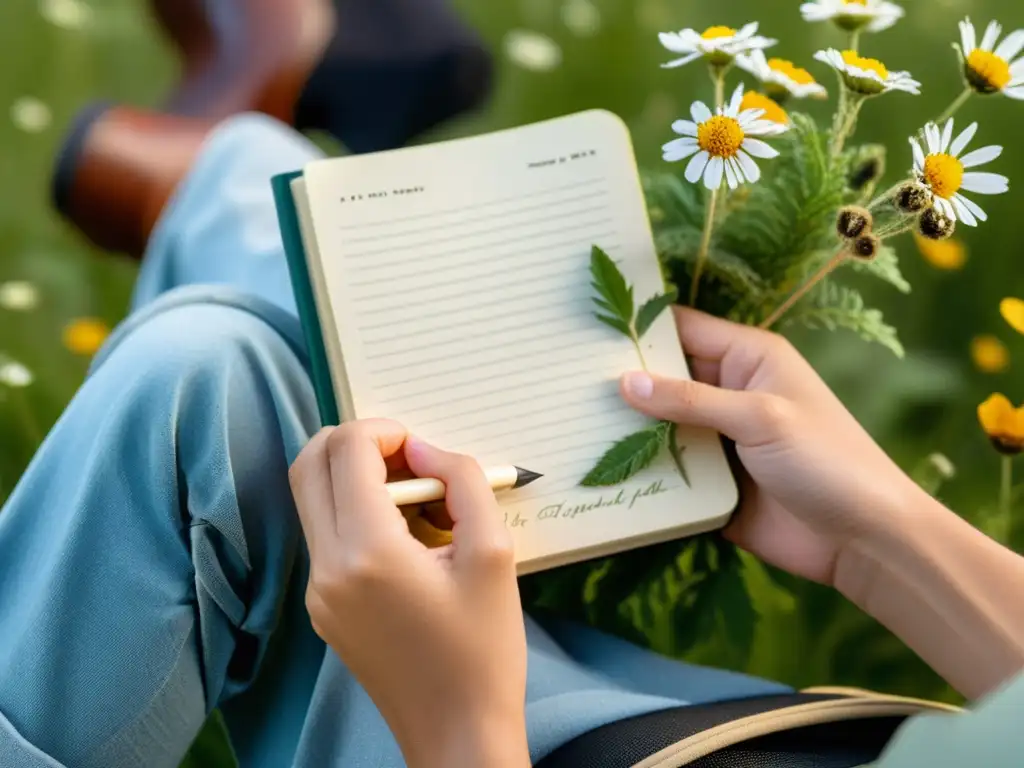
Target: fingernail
x=414, y=445
x=639, y=385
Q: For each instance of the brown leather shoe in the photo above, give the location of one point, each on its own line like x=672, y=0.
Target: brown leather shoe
x=119, y=167
x=391, y=70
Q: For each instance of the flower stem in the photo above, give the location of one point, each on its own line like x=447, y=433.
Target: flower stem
x=32, y=429
x=958, y=102
x=640, y=353
x=845, y=126
x=885, y=196
x=705, y=245
x=904, y=225
x=855, y=40
x=718, y=78
x=802, y=291
x=1006, y=491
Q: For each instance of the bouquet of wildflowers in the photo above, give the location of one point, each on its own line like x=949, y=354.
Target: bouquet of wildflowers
x=757, y=213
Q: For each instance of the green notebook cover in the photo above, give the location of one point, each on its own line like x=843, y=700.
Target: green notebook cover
x=305, y=300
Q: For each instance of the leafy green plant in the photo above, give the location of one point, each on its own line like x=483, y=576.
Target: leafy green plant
x=616, y=308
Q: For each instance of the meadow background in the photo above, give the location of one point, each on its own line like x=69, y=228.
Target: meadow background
x=57, y=295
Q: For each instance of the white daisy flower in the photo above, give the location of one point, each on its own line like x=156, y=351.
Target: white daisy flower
x=944, y=171
x=722, y=144
x=532, y=50
x=868, y=77
x=854, y=15
x=781, y=78
x=14, y=375
x=720, y=45
x=18, y=296
x=992, y=69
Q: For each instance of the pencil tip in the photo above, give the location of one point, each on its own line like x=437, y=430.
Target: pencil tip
x=526, y=477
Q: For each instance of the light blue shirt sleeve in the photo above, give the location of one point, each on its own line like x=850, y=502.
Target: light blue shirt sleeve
x=991, y=734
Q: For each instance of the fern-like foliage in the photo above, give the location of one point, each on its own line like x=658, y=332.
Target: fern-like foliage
x=837, y=307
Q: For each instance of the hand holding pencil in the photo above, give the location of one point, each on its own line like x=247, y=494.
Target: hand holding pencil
x=423, y=490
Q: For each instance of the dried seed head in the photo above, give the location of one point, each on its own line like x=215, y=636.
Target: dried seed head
x=865, y=248
x=913, y=197
x=867, y=168
x=853, y=221
x=936, y=226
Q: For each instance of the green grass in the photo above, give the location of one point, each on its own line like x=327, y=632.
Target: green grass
x=923, y=404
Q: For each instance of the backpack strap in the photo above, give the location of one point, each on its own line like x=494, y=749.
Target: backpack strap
x=841, y=727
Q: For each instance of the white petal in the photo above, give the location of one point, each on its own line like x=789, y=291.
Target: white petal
x=961, y=142
x=685, y=128
x=696, y=167
x=676, y=42
x=679, y=149
x=973, y=207
x=947, y=135
x=824, y=57
x=730, y=174
x=933, y=138
x=699, y=112
x=749, y=117
x=750, y=169
x=713, y=174
x=986, y=183
x=988, y=42
x=682, y=62
x=758, y=148
x=1011, y=46
x=962, y=213
x=918, y=155
x=1017, y=92
x=945, y=208
x=968, y=36
x=737, y=99
x=981, y=156
x=747, y=31
x=759, y=127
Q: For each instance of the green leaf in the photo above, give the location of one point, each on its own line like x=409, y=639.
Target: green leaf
x=886, y=267
x=649, y=311
x=627, y=457
x=837, y=306
x=616, y=295
x=672, y=442
x=615, y=323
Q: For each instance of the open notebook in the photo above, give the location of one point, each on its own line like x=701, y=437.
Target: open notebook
x=448, y=287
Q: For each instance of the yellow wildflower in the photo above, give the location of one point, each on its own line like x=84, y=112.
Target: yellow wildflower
x=1003, y=424
x=948, y=255
x=989, y=354
x=85, y=335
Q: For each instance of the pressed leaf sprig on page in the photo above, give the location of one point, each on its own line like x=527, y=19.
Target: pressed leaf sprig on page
x=617, y=309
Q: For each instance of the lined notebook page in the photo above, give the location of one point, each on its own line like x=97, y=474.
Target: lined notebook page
x=458, y=279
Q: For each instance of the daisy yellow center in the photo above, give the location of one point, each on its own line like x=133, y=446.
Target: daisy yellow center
x=860, y=62
x=720, y=136
x=855, y=2
x=790, y=70
x=772, y=111
x=993, y=71
x=944, y=174
x=713, y=33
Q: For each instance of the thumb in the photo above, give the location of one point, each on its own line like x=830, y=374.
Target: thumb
x=479, y=534
x=748, y=418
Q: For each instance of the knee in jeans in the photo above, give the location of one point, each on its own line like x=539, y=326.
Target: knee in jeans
x=195, y=342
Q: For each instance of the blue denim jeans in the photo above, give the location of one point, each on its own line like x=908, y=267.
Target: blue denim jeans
x=151, y=563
